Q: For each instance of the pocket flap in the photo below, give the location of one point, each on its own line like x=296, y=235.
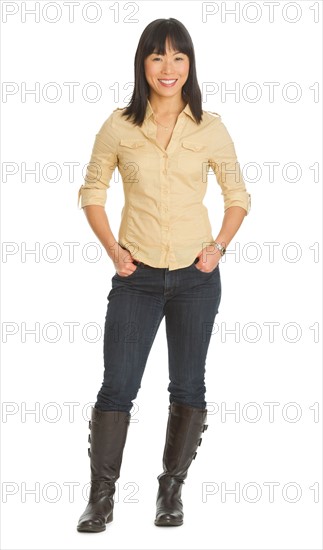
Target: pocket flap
x=192, y=146
x=132, y=143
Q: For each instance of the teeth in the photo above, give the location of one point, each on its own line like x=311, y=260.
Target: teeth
x=168, y=81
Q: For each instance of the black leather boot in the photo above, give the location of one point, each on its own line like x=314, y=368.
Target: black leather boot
x=108, y=436
x=184, y=429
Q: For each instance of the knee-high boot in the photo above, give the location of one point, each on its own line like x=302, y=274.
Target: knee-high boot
x=107, y=437
x=183, y=436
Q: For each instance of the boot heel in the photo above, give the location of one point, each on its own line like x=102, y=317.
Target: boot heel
x=110, y=518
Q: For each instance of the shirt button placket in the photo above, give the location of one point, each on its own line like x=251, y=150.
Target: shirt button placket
x=165, y=209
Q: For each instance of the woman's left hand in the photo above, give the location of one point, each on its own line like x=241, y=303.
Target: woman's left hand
x=209, y=258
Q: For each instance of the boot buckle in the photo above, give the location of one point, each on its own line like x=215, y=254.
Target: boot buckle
x=194, y=455
x=89, y=438
x=89, y=452
x=205, y=427
x=89, y=424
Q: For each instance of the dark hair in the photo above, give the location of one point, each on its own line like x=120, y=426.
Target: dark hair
x=153, y=38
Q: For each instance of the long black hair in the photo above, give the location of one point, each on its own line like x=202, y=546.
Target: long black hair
x=153, y=39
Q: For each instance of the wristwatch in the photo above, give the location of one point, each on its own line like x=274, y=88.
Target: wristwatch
x=220, y=248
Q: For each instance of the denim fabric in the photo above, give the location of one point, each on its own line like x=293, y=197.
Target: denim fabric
x=189, y=299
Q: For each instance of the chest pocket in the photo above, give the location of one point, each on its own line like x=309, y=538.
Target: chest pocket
x=132, y=154
x=192, y=158
x=192, y=146
x=132, y=143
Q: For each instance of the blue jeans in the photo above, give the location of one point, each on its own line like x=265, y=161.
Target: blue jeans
x=189, y=298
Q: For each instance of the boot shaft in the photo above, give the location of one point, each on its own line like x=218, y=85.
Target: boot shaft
x=108, y=433
x=183, y=436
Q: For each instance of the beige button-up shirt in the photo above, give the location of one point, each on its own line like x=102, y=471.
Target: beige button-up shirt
x=164, y=222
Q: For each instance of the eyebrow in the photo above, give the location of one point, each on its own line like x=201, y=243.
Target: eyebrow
x=153, y=53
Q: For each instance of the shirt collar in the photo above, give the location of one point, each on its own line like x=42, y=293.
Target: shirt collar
x=149, y=111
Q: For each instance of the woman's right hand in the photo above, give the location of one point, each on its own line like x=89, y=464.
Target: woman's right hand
x=124, y=263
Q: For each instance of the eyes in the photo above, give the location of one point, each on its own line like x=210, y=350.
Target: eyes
x=176, y=58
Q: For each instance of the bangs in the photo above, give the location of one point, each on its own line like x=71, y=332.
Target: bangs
x=156, y=42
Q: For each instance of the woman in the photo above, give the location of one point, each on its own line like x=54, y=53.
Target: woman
x=166, y=259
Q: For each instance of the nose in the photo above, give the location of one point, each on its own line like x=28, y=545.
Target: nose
x=167, y=67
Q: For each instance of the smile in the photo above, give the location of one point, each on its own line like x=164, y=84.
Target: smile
x=167, y=83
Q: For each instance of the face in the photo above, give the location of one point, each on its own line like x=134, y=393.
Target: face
x=162, y=70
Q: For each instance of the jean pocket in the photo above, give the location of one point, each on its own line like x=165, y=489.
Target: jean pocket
x=128, y=276
x=203, y=272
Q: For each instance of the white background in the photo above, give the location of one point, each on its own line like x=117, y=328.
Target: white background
x=46, y=451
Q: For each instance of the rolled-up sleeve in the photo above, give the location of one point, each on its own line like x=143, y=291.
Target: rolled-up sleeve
x=224, y=163
x=102, y=164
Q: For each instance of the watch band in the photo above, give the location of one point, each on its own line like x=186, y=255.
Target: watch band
x=220, y=248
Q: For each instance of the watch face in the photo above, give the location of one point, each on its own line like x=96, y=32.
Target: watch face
x=220, y=248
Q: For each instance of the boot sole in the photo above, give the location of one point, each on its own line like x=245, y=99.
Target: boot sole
x=170, y=523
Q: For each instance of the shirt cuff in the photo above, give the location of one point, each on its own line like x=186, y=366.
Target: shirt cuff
x=244, y=200
x=91, y=196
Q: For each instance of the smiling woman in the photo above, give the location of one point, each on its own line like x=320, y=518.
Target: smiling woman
x=166, y=259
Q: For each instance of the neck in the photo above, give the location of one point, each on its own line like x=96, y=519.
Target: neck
x=164, y=106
